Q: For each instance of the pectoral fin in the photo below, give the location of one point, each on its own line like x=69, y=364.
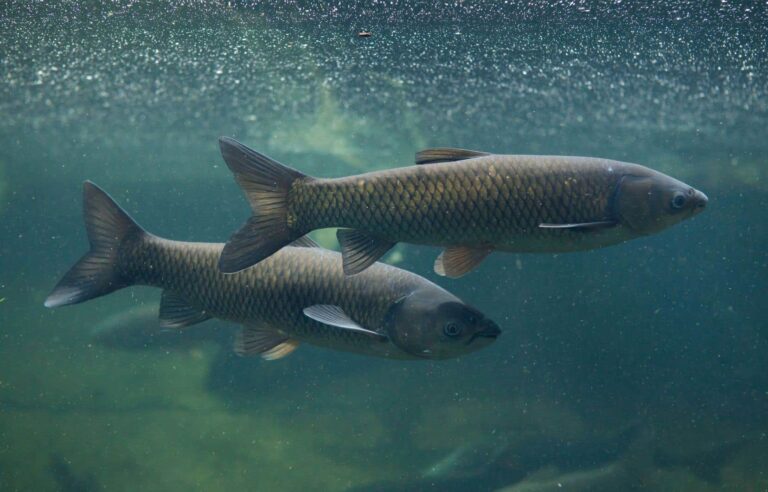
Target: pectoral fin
x=253, y=340
x=335, y=316
x=456, y=261
x=446, y=154
x=176, y=312
x=359, y=250
x=584, y=226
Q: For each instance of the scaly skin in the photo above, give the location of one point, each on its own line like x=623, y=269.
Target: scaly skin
x=275, y=291
x=495, y=200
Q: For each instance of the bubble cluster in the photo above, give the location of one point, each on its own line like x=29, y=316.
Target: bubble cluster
x=296, y=76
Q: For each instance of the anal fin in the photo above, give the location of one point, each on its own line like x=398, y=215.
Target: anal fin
x=359, y=250
x=258, y=340
x=176, y=312
x=281, y=350
x=456, y=261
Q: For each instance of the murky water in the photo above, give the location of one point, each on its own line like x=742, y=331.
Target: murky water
x=650, y=355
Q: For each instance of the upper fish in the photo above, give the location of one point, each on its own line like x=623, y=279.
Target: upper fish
x=471, y=203
x=300, y=294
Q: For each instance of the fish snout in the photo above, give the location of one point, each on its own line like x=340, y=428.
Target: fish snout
x=486, y=329
x=700, y=202
x=490, y=329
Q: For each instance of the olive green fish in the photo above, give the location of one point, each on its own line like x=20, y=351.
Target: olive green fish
x=470, y=202
x=299, y=295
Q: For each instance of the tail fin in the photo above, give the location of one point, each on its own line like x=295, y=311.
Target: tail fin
x=96, y=273
x=266, y=183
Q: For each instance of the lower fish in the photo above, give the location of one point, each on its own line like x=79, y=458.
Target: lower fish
x=300, y=295
x=469, y=202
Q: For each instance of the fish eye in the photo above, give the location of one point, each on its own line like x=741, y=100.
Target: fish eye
x=678, y=201
x=452, y=329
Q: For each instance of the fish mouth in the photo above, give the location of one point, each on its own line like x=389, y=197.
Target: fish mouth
x=491, y=330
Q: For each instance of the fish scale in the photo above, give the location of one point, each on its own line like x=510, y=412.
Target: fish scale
x=275, y=291
x=488, y=199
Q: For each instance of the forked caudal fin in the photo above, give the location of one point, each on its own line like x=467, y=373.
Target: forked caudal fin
x=96, y=274
x=266, y=184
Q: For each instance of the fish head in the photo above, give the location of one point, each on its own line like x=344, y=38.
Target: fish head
x=433, y=324
x=649, y=201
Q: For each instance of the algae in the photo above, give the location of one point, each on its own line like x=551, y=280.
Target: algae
x=147, y=419
x=327, y=130
x=331, y=132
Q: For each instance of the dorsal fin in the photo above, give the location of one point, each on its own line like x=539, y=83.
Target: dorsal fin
x=446, y=154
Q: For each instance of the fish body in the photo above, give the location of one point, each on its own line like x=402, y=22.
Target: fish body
x=470, y=202
x=299, y=295
x=276, y=292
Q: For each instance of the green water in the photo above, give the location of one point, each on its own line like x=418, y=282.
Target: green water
x=667, y=334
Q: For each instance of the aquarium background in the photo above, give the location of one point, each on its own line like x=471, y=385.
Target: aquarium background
x=667, y=334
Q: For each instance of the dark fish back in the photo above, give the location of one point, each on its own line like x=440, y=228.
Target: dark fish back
x=483, y=200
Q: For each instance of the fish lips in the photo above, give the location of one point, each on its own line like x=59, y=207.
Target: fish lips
x=490, y=330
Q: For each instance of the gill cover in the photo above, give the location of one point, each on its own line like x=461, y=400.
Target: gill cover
x=402, y=325
x=634, y=197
